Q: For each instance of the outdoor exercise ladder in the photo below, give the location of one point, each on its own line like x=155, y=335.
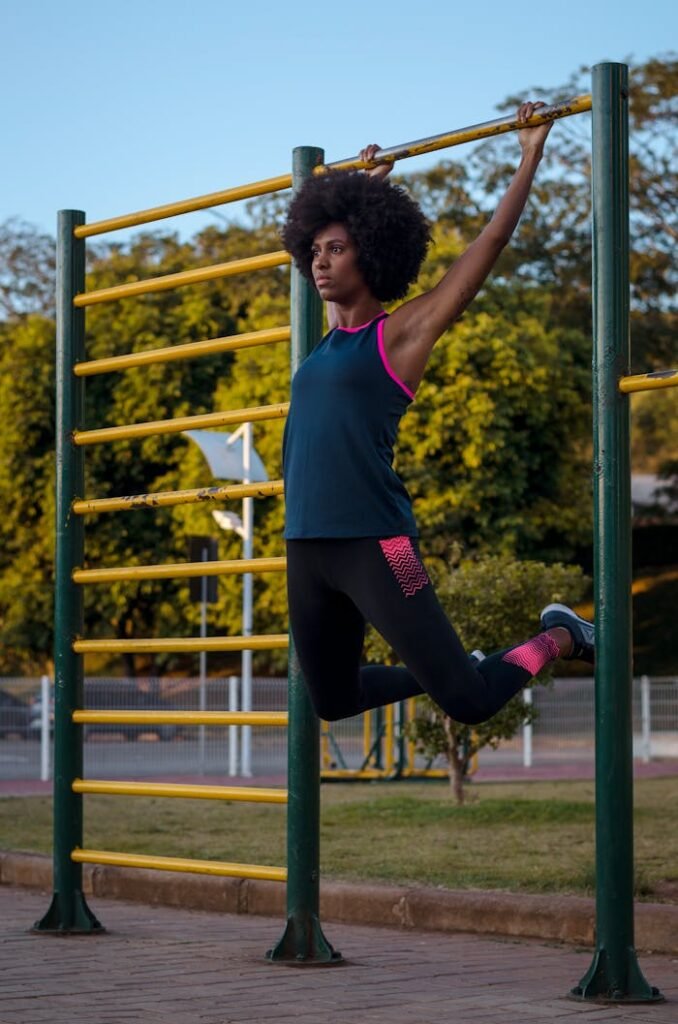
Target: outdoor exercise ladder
x=614, y=973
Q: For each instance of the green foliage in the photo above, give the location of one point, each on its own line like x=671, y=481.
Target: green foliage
x=26, y=493
x=494, y=450
x=27, y=271
x=493, y=603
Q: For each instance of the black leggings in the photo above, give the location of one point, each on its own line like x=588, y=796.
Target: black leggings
x=336, y=586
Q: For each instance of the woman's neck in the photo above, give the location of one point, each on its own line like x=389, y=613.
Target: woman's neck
x=353, y=315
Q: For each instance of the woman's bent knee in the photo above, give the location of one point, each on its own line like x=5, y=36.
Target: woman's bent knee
x=329, y=707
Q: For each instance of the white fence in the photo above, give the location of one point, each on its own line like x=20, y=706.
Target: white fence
x=563, y=731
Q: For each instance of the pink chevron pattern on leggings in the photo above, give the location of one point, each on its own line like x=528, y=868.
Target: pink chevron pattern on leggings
x=534, y=654
x=407, y=569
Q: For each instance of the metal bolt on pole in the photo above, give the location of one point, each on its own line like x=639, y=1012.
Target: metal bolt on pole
x=303, y=941
x=68, y=911
x=614, y=975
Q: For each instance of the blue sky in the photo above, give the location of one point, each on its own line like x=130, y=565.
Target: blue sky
x=111, y=108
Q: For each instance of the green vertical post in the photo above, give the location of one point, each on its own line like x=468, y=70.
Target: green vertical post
x=68, y=911
x=614, y=974
x=303, y=941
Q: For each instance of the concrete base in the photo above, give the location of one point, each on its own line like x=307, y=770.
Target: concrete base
x=553, y=917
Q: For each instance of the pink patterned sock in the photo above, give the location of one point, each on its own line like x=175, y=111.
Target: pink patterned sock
x=534, y=654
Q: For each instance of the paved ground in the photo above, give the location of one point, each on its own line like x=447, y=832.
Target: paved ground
x=190, y=967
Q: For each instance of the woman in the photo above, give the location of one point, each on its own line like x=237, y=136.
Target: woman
x=352, y=551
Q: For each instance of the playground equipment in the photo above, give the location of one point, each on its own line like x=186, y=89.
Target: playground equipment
x=388, y=751
x=614, y=973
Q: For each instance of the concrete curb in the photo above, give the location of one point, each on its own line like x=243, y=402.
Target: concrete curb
x=554, y=918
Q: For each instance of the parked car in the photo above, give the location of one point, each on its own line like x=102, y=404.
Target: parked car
x=127, y=695
x=14, y=715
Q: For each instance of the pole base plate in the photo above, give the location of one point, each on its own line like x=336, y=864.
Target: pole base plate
x=303, y=945
x=605, y=982
x=69, y=916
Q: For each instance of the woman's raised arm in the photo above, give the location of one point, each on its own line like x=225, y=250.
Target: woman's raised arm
x=413, y=329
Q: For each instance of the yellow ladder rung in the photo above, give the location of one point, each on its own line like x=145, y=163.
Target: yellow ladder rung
x=256, y=414
x=198, y=867
x=267, y=642
x=189, y=350
x=169, y=281
x=246, y=794
x=179, y=570
x=166, y=499
x=279, y=719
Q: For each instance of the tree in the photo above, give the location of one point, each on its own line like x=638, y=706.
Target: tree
x=495, y=448
x=27, y=270
x=554, y=240
x=492, y=604
x=26, y=494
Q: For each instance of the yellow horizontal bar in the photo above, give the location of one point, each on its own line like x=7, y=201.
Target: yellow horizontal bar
x=228, y=195
x=184, y=277
x=278, y=719
x=474, y=132
x=191, y=350
x=649, y=381
x=182, y=569
x=268, y=642
x=354, y=773
x=164, y=499
x=256, y=414
x=196, y=867
x=249, y=794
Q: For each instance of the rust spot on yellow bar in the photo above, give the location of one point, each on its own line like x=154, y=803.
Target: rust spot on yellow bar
x=165, y=499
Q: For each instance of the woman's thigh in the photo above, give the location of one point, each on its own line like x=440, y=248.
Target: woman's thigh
x=328, y=631
x=389, y=584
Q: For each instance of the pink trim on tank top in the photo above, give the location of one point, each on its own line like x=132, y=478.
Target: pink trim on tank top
x=384, y=359
x=360, y=327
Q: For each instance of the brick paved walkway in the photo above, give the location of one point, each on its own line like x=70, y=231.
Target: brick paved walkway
x=187, y=967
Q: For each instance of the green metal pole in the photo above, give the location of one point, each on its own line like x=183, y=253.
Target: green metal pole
x=303, y=941
x=68, y=911
x=614, y=974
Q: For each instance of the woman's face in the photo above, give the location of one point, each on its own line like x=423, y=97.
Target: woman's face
x=335, y=265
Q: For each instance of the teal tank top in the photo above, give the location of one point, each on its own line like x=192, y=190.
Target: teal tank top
x=345, y=410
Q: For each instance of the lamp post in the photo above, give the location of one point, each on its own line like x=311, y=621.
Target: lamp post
x=232, y=456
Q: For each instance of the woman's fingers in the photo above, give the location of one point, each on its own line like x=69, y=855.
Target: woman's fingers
x=534, y=135
x=368, y=153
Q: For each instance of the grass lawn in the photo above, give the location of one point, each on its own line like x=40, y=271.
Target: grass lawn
x=535, y=837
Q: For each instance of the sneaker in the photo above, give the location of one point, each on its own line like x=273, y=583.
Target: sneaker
x=581, y=630
x=475, y=657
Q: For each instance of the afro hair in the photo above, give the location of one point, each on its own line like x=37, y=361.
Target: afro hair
x=388, y=228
